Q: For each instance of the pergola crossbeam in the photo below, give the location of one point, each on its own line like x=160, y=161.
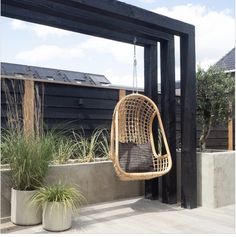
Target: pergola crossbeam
x=131, y=13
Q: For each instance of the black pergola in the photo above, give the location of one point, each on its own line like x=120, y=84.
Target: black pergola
x=122, y=22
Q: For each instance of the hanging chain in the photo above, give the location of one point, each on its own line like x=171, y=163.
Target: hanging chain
x=135, y=80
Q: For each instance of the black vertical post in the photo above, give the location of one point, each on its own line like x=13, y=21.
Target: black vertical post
x=188, y=122
x=150, y=90
x=168, y=192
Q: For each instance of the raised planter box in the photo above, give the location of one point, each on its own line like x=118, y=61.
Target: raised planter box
x=97, y=181
x=215, y=178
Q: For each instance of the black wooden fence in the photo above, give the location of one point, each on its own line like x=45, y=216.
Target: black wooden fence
x=89, y=107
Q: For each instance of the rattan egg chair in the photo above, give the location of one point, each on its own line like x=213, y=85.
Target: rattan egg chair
x=132, y=147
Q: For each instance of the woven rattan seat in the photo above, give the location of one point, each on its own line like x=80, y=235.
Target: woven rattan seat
x=132, y=147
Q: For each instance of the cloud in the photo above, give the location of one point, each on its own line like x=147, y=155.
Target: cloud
x=45, y=31
x=120, y=52
x=18, y=25
x=45, y=53
x=40, y=53
x=40, y=31
x=214, y=30
x=122, y=78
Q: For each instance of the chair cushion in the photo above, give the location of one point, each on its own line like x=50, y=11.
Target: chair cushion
x=135, y=158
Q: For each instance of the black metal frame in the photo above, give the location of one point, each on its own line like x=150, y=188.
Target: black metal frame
x=122, y=22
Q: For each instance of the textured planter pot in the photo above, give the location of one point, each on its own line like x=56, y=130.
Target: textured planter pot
x=23, y=212
x=56, y=217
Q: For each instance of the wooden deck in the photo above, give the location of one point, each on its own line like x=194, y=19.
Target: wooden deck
x=142, y=216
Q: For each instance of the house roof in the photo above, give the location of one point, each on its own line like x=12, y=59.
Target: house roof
x=17, y=70
x=227, y=62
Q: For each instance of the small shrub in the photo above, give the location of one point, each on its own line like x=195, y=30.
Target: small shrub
x=71, y=197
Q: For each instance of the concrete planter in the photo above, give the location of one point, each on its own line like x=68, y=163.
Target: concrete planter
x=216, y=178
x=97, y=181
x=56, y=217
x=23, y=212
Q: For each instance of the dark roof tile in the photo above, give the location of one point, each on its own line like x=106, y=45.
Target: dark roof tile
x=11, y=69
x=227, y=62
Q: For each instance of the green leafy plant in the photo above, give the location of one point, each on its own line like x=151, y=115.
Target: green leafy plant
x=64, y=148
x=71, y=197
x=87, y=148
x=215, y=95
x=28, y=158
x=103, y=144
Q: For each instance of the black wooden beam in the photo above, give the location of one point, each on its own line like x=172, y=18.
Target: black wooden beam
x=132, y=13
x=91, y=19
x=71, y=25
x=107, y=21
x=150, y=90
x=168, y=192
x=188, y=122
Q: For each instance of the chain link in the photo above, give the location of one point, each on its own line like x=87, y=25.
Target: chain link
x=135, y=80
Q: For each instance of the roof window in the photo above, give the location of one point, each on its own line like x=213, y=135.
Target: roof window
x=19, y=75
x=50, y=78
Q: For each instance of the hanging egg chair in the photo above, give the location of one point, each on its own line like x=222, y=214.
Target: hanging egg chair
x=132, y=146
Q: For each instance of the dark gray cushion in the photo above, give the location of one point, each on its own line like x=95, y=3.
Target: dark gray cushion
x=135, y=158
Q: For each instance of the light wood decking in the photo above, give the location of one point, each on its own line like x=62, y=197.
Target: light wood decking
x=139, y=215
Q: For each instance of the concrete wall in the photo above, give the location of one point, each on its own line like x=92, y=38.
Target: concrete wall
x=215, y=178
x=97, y=181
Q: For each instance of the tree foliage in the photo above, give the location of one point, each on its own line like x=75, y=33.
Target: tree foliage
x=215, y=98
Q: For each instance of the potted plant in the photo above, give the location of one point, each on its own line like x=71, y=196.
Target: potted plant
x=28, y=159
x=59, y=202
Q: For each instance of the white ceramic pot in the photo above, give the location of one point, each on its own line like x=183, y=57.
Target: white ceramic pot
x=23, y=211
x=56, y=217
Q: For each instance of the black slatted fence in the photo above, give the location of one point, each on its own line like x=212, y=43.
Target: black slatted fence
x=89, y=107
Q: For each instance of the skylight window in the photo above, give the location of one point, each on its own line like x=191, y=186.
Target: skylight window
x=77, y=81
x=50, y=78
x=104, y=84
x=19, y=75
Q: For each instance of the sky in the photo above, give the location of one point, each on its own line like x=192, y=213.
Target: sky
x=38, y=45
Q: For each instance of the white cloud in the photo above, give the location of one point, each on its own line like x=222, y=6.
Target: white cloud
x=120, y=52
x=122, y=78
x=42, y=53
x=40, y=31
x=214, y=30
x=45, y=31
x=18, y=25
